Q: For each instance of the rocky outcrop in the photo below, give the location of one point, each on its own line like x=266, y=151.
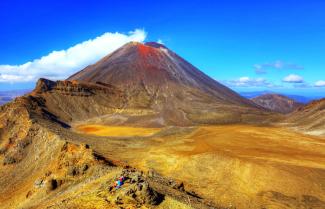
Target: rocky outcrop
x=68, y=101
x=41, y=168
x=73, y=88
x=135, y=190
x=16, y=131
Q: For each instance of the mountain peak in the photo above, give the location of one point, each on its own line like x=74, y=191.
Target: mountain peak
x=155, y=45
x=145, y=48
x=148, y=44
x=154, y=77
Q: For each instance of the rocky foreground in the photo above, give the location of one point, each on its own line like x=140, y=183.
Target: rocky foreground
x=41, y=169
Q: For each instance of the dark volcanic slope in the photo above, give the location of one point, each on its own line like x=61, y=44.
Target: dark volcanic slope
x=277, y=103
x=157, y=69
x=153, y=77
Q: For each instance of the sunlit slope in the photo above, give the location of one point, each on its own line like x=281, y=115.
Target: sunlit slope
x=41, y=168
x=124, y=131
x=309, y=118
x=235, y=165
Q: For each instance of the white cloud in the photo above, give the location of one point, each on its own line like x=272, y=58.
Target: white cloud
x=60, y=64
x=160, y=41
x=320, y=84
x=249, y=82
x=292, y=78
x=279, y=65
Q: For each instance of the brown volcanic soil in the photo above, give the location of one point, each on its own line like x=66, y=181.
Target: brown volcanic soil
x=238, y=165
x=309, y=118
x=42, y=166
x=277, y=103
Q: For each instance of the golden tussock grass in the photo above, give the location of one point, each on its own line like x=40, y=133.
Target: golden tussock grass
x=231, y=164
x=117, y=131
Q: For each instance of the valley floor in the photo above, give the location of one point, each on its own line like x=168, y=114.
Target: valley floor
x=231, y=165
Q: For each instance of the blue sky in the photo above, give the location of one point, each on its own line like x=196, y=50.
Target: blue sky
x=247, y=45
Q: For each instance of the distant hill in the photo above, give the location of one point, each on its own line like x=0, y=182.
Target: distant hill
x=310, y=118
x=252, y=94
x=298, y=98
x=7, y=96
x=277, y=103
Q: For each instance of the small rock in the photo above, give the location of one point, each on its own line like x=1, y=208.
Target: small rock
x=48, y=173
x=135, y=178
x=72, y=171
x=39, y=183
x=192, y=193
x=180, y=186
x=84, y=167
x=118, y=200
x=151, y=173
x=110, y=188
x=2, y=150
x=9, y=160
x=29, y=194
x=52, y=184
x=139, y=187
x=136, y=190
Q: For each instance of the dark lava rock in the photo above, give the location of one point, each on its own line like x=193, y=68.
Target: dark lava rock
x=151, y=173
x=8, y=159
x=52, y=184
x=84, y=168
x=72, y=171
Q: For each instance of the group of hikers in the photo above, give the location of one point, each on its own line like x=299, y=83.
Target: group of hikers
x=118, y=183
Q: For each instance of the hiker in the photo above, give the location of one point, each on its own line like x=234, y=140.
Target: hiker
x=119, y=182
x=115, y=184
x=121, y=179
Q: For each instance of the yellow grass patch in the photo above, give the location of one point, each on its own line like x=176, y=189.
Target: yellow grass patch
x=121, y=131
x=234, y=164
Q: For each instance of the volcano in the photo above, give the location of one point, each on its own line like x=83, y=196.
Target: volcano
x=145, y=114
x=157, y=70
x=155, y=78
